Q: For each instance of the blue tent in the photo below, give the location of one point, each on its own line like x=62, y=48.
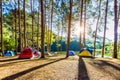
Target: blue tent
x=71, y=53
x=9, y=53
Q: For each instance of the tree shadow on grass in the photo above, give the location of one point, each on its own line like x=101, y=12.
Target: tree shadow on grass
x=82, y=71
x=14, y=76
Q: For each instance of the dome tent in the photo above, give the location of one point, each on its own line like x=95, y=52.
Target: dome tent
x=27, y=54
x=71, y=53
x=85, y=53
x=9, y=53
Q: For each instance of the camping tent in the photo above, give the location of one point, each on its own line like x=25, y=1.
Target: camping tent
x=9, y=53
x=85, y=53
x=71, y=53
x=36, y=54
x=27, y=53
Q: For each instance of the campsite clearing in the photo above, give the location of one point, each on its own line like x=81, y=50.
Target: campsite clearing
x=59, y=68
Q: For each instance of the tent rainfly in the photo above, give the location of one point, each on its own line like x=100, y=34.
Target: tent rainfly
x=71, y=53
x=85, y=53
x=29, y=54
x=9, y=53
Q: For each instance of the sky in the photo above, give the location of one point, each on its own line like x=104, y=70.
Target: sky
x=110, y=22
x=109, y=32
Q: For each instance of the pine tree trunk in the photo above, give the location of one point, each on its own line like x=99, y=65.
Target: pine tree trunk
x=45, y=22
x=81, y=25
x=24, y=23
x=58, y=48
x=84, y=34
x=42, y=29
x=118, y=32
x=61, y=36
x=38, y=27
x=69, y=30
x=51, y=27
x=48, y=39
x=118, y=15
x=106, y=10
x=15, y=28
x=96, y=28
x=32, y=14
x=19, y=25
x=115, y=29
x=1, y=29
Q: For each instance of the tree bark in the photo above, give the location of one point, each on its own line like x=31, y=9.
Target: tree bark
x=1, y=29
x=51, y=27
x=115, y=29
x=42, y=29
x=97, y=28
x=15, y=28
x=38, y=26
x=48, y=32
x=58, y=48
x=24, y=23
x=118, y=32
x=19, y=25
x=118, y=15
x=69, y=30
x=81, y=24
x=32, y=14
x=106, y=10
x=84, y=35
x=61, y=35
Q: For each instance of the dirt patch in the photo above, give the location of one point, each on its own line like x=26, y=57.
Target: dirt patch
x=59, y=68
x=103, y=68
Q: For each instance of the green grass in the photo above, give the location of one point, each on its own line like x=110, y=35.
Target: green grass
x=107, y=54
x=97, y=53
x=64, y=52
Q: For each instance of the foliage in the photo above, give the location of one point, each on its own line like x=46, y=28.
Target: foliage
x=60, y=19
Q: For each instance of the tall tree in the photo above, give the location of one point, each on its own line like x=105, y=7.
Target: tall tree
x=1, y=29
x=58, y=33
x=115, y=29
x=15, y=26
x=62, y=4
x=69, y=29
x=118, y=25
x=42, y=29
x=61, y=35
x=38, y=26
x=84, y=34
x=97, y=28
x=32, y=14
x=19, y=25
x=24, y=23
x=106, y=10
x=48, y=32
x=118, y=15
x=81, y=13
x=51, y=27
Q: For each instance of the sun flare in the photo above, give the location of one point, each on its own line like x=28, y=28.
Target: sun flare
x=78, y=30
